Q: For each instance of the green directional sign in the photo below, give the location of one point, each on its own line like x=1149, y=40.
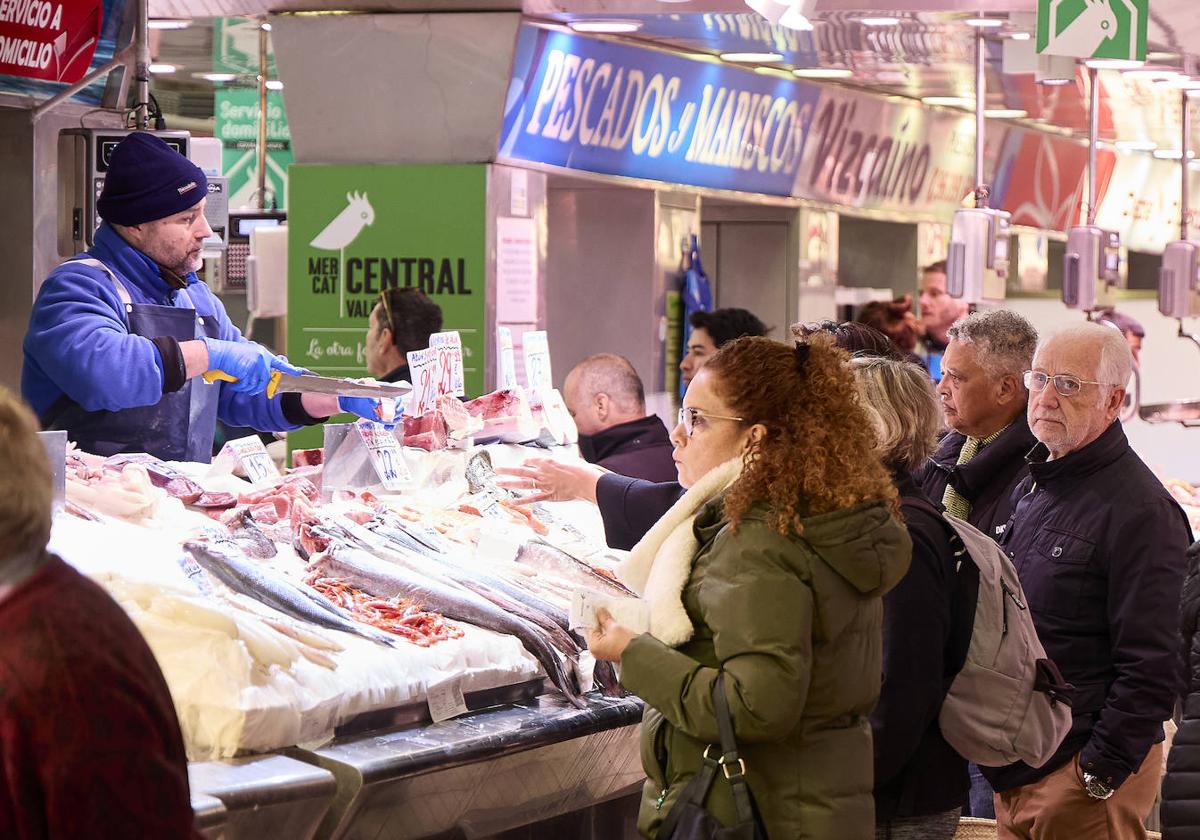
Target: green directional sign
x=236, y=112
x=1093, y=28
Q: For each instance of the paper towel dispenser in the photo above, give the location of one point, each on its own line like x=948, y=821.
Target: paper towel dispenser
x=1179, y=280
x=977, y=260
x=1091, y=267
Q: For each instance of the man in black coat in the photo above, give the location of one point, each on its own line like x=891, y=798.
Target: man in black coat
x=605, y=396
x=1099, y=545
x=982, y=458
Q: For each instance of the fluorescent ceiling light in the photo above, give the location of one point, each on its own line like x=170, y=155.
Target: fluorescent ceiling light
x=1020, y=36
x=1005, y=113
x=950, y=101
x=794, y=18
x=216, y=77
x=1136, y=145
x=1170, y=154
x=823, y=72
x=879, y=21
x=1055, y=82
x=169, y=23
x=751, y=57
x=274, y=84
x=266, y=27
x=605, y=26
x=984, y=22
x=1114, y=64
x=163, y=68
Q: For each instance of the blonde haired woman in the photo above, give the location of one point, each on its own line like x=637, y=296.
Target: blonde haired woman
x=920, y=781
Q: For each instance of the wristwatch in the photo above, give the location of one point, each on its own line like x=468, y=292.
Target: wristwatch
x=1096, y=788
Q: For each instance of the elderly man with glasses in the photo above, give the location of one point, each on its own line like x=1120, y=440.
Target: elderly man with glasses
x=1099, y=545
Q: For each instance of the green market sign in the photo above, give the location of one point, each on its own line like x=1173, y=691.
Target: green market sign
x=235, y=50
x=354, y=231
x=1093, y=28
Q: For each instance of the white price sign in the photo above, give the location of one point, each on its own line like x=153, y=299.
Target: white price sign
x=507, y=369
x=446, y=699
x=252, y=457
x=449, y=374
x=386, y=455
x=537, y=360
x=422, y=368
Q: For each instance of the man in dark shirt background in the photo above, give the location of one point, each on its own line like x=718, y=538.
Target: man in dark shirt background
x=605, y=396
x=89, y=742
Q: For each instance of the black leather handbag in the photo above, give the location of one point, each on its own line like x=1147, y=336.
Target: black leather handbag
x=688, y=820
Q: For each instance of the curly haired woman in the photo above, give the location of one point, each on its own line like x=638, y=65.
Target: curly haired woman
x=770, y=570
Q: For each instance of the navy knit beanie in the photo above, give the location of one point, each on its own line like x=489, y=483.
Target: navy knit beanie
x=148, y=180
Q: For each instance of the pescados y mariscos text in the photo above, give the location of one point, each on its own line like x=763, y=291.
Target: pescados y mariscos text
x=615, y=107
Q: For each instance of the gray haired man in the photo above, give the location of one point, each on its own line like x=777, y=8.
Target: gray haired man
x=979, y=462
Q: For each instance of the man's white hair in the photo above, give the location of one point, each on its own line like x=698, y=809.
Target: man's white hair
x=1114, y=364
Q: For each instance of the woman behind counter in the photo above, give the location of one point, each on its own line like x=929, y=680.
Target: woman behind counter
x=770, y=569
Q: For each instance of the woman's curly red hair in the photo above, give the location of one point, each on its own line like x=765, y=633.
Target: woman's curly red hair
x=818, y=455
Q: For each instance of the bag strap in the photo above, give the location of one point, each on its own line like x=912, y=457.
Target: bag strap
x=695, y=793
x=731, y=763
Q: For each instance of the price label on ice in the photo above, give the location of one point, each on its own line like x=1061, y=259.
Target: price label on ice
x=449, y=374
x=385, y=455
x=506, y=371
x=422, y=368
x=537, y=360
x=250, y=454
x=446, y=700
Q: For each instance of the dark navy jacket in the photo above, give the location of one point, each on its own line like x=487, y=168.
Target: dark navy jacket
x=78, y=344
x=1181, y=787
x=926, y=633
x=640, y=448
x=987, y=481
x=1099, y=545
x=631, y=506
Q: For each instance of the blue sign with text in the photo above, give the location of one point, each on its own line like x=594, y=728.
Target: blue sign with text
x=619, y=110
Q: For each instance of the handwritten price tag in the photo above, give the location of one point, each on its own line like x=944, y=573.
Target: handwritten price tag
x=250, y=454
x=537, y=360
x=422, y=367
x=385, y=455
x=446, y=699
x=449, y=377
x=506, y=371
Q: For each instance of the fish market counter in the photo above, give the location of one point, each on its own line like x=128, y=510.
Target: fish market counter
x=481, y=773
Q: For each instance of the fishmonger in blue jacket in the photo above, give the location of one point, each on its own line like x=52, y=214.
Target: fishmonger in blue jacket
x=120, y=335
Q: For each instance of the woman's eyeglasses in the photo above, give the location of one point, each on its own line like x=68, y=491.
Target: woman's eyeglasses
x=687, y=418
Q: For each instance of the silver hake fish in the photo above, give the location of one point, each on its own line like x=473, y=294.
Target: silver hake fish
x=222, y=559
x=388, y=580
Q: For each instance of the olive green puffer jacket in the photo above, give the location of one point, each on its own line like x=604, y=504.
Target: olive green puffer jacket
x=794, y=622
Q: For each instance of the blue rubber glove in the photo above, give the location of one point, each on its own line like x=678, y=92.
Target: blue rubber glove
x=251, y=363
x=370, y=408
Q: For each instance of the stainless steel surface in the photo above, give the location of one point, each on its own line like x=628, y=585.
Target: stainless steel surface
x=482, y=773
x=141, y=41
x=1185, y=164
x=1183, y=412
x=312, y=384
x=980, y=103
x=1093, y=137
x=260, y=150
x=210, y=816
x=266, y=795
x=415, y=714
x=56, y=450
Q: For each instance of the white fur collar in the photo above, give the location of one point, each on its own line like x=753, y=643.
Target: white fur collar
x=660, y=564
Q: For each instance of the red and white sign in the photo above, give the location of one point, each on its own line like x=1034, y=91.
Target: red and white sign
x=53, y=40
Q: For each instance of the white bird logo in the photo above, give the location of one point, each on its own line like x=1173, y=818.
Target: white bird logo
x=346, y=226
x=1095, y=24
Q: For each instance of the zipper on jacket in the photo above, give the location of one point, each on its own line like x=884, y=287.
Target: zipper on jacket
x=1016, y=601
x=662, y=797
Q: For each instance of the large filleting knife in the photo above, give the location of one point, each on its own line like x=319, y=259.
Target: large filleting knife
x=309, y=383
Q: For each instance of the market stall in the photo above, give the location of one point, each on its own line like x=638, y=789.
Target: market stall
x=364, y=635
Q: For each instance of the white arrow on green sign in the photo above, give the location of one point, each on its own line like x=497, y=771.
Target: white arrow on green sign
x=1093, y=28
